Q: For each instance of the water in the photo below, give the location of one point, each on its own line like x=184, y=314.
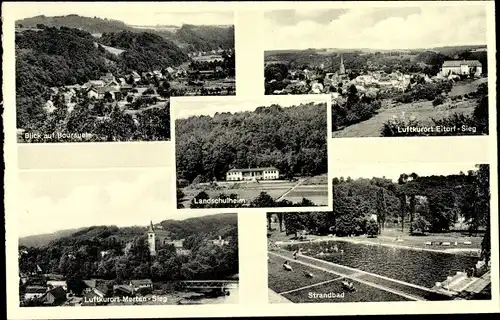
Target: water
x=422, y=268
x=232, y=298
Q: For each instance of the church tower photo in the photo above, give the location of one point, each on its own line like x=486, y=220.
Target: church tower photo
x=152, y=239
x=342, y=67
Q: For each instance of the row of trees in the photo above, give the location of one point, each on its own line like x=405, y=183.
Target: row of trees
x=264, y=200
x=104, y=122
x=293, y=139
x=421, y=204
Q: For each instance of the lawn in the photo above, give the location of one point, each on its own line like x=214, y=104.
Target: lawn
x=363, y=293
x=423, y=111
x=282, y=281
x=317, y=193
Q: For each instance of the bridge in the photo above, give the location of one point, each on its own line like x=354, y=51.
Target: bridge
x=209, y=284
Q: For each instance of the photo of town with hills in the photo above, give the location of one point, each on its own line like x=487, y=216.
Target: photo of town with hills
x=389, y=71
x=252, y=153
x=96, y=79
x=91, y=261
x=421, y=235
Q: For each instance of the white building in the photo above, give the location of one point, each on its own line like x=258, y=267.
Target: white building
x=269, y=173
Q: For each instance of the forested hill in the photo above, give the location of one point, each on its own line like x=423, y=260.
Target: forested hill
x=207, y=226
x=40, y=240
x=65, y=56
x=205, y=38
x=213, y=225
x=293, y=139
x=92, y=25
x=144, y=51
x=189, y=37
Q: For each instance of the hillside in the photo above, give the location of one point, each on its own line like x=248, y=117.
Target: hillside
x=205, y=38
x=144, y=51
x=91, y=25
x=215, y=225
x=41, y=240
x=293, y=139
x=209, y=226
x=188, y=37
x=122, y=254
x=55, y=57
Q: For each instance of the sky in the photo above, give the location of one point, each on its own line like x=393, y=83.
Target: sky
x=151, y=14
x=376, y=28
x=186, y=108
x=393, y=171
x=49, y=201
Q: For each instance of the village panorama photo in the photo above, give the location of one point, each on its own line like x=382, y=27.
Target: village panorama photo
x=252, y=153
x=101, y=75
x=417, y=70
x=405, y=232
x=106, y=238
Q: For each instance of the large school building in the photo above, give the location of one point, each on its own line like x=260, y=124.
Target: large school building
x=269, y=173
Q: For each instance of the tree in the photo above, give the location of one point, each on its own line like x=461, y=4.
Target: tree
x=293, y=223
x=372, y=228
x=381, y=207
x=264, y=200
x=419, y=224
x=269, y=216
x=280, y=220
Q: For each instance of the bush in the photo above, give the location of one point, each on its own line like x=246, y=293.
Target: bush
x=438, y=101
x=398, y=128
x=372, y=228
x=420, y=224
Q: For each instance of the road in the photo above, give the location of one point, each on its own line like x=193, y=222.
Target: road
x=291, y=189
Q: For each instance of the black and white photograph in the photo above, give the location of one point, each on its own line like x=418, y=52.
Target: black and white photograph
x=406, y=232
x=252, y=153
x=108, y=238
x=99, y=75
x=417, y=70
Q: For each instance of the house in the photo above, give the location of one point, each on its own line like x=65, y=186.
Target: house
x=462, y=67
x=135, y=76
x=102, y=92
x=57, y=283
x=49, y=107
x=34, y=292
x=56, y=296
x=181, y=72
x=101, y=290
x=219, y=69
x=122, y=290
x=142, y=283
x=157, y=73
x=179, y=246
x=95, y=83
x=316, y=88
x=147, y=75
x=269, y=173
x=113, y=84
x=93, y=93
x=108, y=77
x=220, y=242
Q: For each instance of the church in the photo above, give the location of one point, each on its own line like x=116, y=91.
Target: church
x=158, y=237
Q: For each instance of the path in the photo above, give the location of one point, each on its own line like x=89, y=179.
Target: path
x=291, y=189
x=404, y=289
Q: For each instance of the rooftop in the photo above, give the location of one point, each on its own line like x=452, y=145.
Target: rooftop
x=458, y=63
x=253, y=169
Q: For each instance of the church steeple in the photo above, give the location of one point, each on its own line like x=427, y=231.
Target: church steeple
x=151, y=239
x=342, y=67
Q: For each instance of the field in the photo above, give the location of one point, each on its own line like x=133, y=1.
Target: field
x=209, y=58
x=296, y=287
x=278, y=190
x=424, y=112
